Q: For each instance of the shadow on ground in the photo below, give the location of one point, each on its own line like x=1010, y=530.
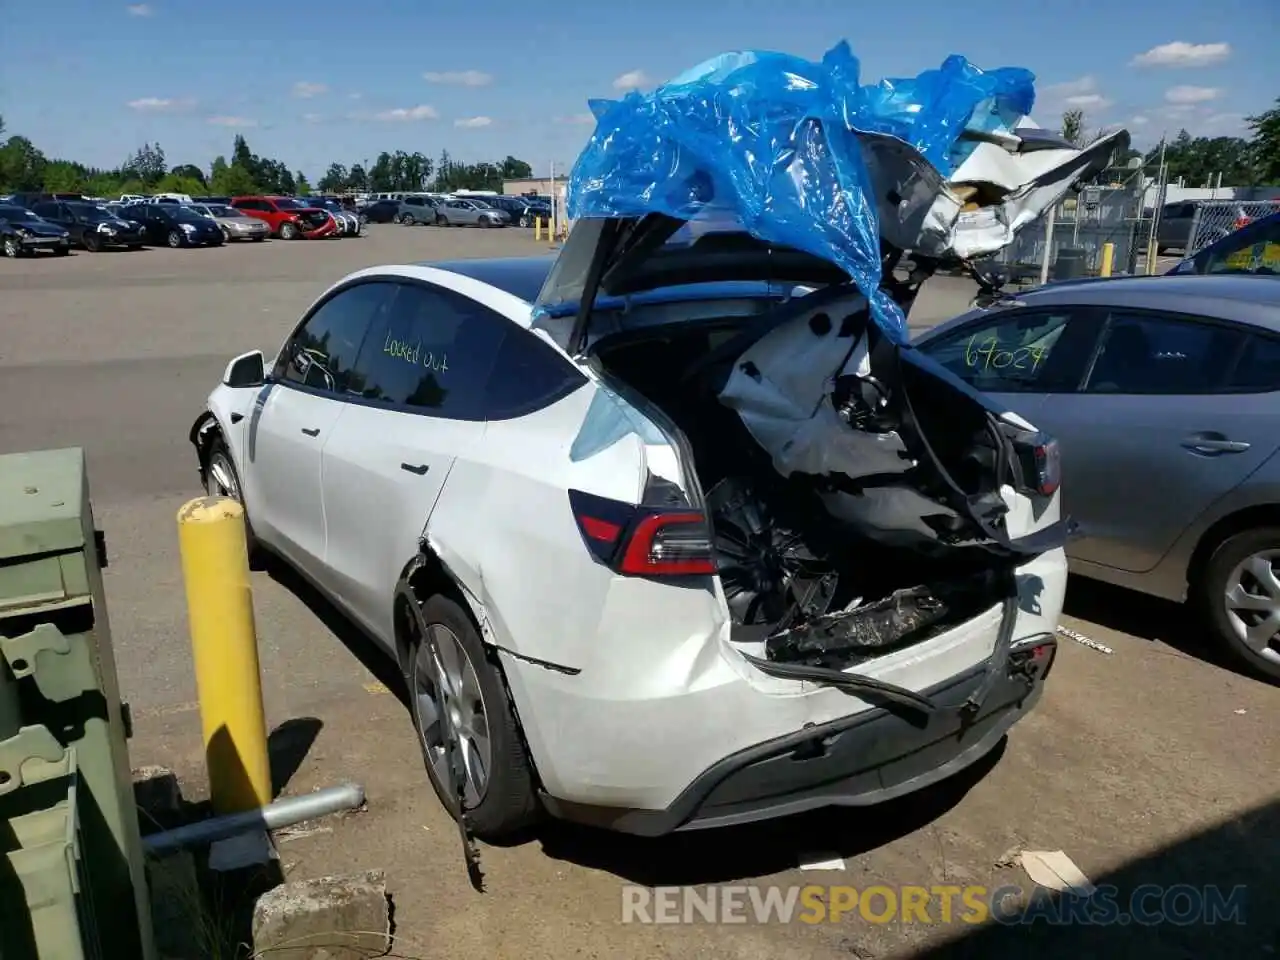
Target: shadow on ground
x=373, y=657
x=1236, y=860
x=287, y=746
x=1145, y=617
x=761, y=849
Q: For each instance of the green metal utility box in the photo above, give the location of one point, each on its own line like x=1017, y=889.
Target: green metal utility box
x=72, y=880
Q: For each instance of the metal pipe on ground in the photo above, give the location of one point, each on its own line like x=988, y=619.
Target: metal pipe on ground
x=280, y=813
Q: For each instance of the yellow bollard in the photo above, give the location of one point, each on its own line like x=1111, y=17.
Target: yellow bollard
x=1108, y=256
x=224, y=642
x=537, y=228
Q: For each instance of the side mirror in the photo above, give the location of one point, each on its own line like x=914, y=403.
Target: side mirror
x=246, y=370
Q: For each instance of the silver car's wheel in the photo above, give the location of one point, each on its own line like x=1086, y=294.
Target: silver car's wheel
x=220, y=478
x=449, y=709
x=1252, y=603
x=11, y=247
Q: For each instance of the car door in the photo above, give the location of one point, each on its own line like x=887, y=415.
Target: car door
x=422, y=372
x=294, y=416
x=462, y=212
x=1020, y=357
x=55, y=212
x=1156, y=435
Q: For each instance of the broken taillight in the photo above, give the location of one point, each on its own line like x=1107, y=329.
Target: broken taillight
x=644, y=541
x=1041, y=462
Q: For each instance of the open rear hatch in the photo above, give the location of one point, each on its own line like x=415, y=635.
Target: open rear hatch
x=859, y=497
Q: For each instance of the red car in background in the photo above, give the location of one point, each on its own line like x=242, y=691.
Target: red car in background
x=288, y=218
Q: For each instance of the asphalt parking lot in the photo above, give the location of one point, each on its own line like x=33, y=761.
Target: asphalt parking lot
x=1151, y=764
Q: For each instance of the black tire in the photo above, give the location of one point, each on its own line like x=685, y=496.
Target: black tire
x=510, y=803
x=92, y=242
x=258, y=239
x=1212, y=586
x=409, y=220
x=526, y=220
x=289, y=231
x=61, y=251
x=226, y=235
x=174, y=239
x=12, y=248
x=218, y=450
x=441, y=220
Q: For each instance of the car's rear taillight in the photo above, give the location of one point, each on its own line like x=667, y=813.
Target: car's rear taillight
x=1241, y=222
x=1039, y=463
x=644, y=540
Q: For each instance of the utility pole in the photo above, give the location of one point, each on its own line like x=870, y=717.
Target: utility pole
x=555, y=231
x=1153, y=245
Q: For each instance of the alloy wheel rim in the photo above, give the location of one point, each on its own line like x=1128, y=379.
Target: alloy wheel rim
x=445, y=681
x=220, y=479
x=1252, y=604
x=10, y=247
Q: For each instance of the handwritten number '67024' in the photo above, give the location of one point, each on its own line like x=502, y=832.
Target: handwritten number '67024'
x=987, y=354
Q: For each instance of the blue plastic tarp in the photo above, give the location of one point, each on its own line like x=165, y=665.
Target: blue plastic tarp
x=773, y=138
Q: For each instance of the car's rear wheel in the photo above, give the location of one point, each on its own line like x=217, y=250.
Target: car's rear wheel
x=409, y=220
x=463, y=715
x=175, y=238
x=441, y=220
x=12, y=248
x=1240, y=595
x=289, y=231
x=526, y=220
x=222, y=480
x=92, y=242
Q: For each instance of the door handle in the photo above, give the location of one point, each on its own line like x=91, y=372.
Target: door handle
x=1212, y=444
x=419, y=468
x=311, y=433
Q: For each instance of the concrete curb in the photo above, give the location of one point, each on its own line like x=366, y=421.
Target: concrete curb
x=332, y=918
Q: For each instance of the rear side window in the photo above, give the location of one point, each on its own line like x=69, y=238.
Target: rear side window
x=1145, y=353
x=527, y=376
x=1258, y=370
x=46, y=209
x=322, y=352
x=432, y=351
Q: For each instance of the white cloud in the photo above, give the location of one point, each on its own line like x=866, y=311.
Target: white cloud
x=354, y=96
x=402, y=114
x=631, y=80
x=1139, y=120
x=459, y=78
x=139, y=10
x=1188, y=94
x=473, y=122
x=1183, y=54
x=232, y=122
x=305, y=91
x=161, y=104
x=1070, y=88
x=1081, y=100
x=313, y=117
x=577, y=119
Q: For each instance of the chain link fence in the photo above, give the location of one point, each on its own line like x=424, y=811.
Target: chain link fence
x=1072, y=236
x=1215, y=219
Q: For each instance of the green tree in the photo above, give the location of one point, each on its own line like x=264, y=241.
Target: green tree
x=1198, y=161
x=1265, y=148
x=233, y=180
x=173, y=183
x=1073, y=127
x=21, y=165
x=147, y=165
x=513, y=169
x=189, y=171
x=335, y=179
x=63, y=176
x=380, y=174
x=357, y=179
x=301, y=185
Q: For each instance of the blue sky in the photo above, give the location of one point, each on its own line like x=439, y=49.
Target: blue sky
x=310, y=83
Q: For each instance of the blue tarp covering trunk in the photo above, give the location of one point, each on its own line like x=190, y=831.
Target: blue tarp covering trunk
x=773, y=138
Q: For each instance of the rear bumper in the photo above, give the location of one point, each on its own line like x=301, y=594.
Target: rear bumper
x=324, y=230
x=860, y=760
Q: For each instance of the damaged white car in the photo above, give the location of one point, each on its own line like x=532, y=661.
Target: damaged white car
x=665, y=533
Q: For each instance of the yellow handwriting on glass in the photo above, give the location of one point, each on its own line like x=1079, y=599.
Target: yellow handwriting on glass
x=402, y=350
x=987, y=354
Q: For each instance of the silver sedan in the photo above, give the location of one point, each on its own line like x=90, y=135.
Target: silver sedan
x=1164, y=393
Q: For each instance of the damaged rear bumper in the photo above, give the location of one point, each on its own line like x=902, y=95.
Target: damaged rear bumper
x=860, y=760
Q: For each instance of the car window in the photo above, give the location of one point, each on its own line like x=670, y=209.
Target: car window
x=45, y=209
x=1251, y=250
x=250, y=205
x=1258, y=369
x=432, y=350
x=1025, y=351
x=322, y=352
x=527, y=376
x=1150, y=353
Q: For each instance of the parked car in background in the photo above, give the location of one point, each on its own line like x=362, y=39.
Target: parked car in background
x=91, y=226
x=22, y=233
x=381, y=211
x=417, y=209
x=1164, y=393
x=175, y=225
x=235, y=225
x=1254, y=248
x=1177, y=219
x=348, y=221
x=469, y=212
x=287, y=218
x=521, y=211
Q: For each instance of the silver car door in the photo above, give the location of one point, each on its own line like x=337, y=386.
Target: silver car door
x=1157, y=435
